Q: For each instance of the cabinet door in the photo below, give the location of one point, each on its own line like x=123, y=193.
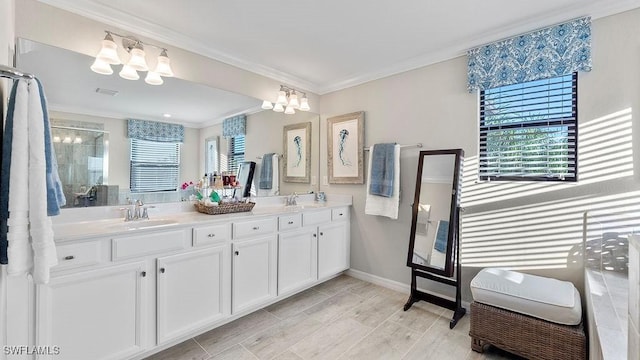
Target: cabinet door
x=254, y=272
x=333, y=249
x=95, y=314
x=297, y=260
x=194, y=289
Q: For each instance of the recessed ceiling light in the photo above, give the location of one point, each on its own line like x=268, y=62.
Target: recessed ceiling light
x=166, y=115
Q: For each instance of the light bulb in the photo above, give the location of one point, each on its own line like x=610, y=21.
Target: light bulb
x=129, y=73
x=67, y=140
x=77, y=140
x=267, y=105
x=282, y=98
x=289, y=110
x=56, y=139
x=137, y=61
x=153, y=78
x=164, y=65
x=108, y=52
x=101, y=67
x=304, y=104
x=278, y=107
x=293, y=100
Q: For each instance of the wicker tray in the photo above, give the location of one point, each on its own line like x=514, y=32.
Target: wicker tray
x=224, y=208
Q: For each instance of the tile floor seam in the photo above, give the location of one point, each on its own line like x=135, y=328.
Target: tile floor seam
x=252, y=354
x=202, y=347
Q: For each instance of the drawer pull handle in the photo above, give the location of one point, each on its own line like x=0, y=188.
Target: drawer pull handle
x=290, y=222
x=321, y=233
x=69, y=257
x=315, y=235
x=237, y=252
x=162, y=270
x=340, y=214
x=211, y=235
x=143, y=274
x=256, y=228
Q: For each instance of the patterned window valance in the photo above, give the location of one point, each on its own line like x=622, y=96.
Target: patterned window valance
x=554, y=51
x=234, y=126
x=155, y=131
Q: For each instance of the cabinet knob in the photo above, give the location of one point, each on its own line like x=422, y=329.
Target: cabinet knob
x=314, y=235
x=162, y=270
x=143, y=274
x=321, y=233
x=340, y=214
x=256, y=228
x=237, y=252
x=211, y=235
x=290, y=222
x=69, y=257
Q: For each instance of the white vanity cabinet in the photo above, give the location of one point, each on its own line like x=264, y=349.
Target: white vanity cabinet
x=193, y=290
x=254, y=262
x=95, y=314
x=297, y=254
x=333, y=239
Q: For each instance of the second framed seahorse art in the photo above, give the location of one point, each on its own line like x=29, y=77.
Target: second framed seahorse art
x=345, y=145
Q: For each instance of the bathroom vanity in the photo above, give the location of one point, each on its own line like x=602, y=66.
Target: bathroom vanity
x=128, y=289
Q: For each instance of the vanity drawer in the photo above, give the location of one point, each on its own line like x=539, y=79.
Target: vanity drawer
x=253, y=228
x=338, y=214
x=211, y=234
x=77, y=255
x=127, y=247
x=286, y=222
x=316, y=217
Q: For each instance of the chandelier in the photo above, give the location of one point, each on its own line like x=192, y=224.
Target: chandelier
x=288, y=101
x=108, y=56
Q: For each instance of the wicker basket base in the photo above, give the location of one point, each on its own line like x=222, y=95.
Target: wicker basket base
x=224, y=208
x=524, y=335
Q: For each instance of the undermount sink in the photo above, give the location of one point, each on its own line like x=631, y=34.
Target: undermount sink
x=143, y=224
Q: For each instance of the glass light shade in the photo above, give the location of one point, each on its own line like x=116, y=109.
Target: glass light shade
x=108, y=53
x=77, y=140
x=304, y=104
x=293, y=100
x=153, y=78
x=267, y=105
x=282, y=98
x=164, y=65
x=137, y=61
x=289, y=110
x=278, y=107
x=67, y=140
x=101, y=67
x=129, y=73
x=56, y=139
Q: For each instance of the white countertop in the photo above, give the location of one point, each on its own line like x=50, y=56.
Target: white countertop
x=81, y=223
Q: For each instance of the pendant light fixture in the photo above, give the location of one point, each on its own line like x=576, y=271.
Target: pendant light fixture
x=108, y=56
x=287, y=101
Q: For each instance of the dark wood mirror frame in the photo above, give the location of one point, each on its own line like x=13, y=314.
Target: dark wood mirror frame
x=451, y=266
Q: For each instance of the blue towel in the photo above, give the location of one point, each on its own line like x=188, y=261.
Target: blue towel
x=5, y=172
x=442, y=236
x=266, y=172
x=55, y=195
x=382, y=170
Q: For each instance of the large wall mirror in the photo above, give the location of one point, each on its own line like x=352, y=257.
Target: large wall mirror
x=435, y=215
x=82, y=99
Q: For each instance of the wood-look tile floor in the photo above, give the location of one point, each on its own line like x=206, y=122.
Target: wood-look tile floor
x=343, y=318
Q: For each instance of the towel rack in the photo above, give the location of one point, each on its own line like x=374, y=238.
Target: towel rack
x=260, y=157
x=13, y=73
x=418, y=145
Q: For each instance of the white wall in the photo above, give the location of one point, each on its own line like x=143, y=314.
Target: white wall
x=431, y=106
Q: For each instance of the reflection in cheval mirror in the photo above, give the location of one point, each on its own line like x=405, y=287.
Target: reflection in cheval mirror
x=96, y=104
x=433, y=244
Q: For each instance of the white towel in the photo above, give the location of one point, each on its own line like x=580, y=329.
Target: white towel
x=380, y=205
x=28, y=196
x=275, y=187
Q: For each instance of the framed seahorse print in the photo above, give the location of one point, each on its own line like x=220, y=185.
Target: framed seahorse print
x=297, y=152
x=345, y=145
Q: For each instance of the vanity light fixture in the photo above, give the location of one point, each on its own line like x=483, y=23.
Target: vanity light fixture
x=288, y=101
x=108, y=56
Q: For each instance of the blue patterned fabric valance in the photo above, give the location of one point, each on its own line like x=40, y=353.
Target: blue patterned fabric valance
x=155, y=131
x=234, y=126
x=545, y=53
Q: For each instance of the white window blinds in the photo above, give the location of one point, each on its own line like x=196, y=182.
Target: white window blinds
x=528, y=131
x=235, y=154
x=155, y=166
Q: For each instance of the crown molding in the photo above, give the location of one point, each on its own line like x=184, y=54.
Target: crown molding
x=138, y=26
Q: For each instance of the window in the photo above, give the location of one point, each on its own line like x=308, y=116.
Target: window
x=528, y=131
x=235, y=153
x=155, y=166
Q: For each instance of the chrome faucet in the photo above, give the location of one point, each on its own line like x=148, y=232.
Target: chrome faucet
x=291, y=199
x=136, y=212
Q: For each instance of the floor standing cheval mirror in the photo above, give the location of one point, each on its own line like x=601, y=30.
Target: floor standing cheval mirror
x=434, y=251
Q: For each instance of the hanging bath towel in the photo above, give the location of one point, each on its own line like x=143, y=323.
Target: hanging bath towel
x=382, y=205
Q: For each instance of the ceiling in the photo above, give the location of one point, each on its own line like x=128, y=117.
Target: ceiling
x=323, y=46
